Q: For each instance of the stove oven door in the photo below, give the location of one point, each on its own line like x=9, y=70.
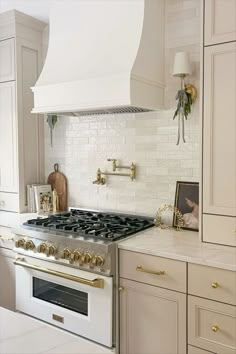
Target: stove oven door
x=75, y=300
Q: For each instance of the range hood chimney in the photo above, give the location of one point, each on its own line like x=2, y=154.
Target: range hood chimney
x=104, y=56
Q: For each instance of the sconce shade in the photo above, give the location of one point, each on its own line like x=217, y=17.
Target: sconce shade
x=182, y=66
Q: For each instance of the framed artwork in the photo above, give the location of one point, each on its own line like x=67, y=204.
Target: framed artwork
x=187, y=201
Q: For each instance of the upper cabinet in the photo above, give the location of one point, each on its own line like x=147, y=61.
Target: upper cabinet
x=21, y=132
x=219, y=124
x=7, y=60
x=220, y=21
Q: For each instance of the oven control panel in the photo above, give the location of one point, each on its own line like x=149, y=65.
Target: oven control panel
x=78, y=257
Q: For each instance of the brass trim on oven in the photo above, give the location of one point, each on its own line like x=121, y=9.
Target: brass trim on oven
x=95, y=283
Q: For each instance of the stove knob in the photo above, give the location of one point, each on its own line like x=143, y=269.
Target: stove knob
x=51, y=251
x=87, y=258
x=66, y=253
x=20, y=243
x=75, y=256
x=94, y=260
x=42, y=248
x=100, y=261
x=29, y=245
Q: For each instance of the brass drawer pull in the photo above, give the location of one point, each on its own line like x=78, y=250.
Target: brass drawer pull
x=158, y=272
x=95, y=283
x=215, y=328
x=214, y=285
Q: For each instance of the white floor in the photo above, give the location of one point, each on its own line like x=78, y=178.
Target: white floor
x=20, y=334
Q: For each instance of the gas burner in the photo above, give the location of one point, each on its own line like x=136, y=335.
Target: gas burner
x=94, y=225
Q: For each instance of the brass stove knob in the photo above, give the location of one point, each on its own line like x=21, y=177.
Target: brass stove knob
x=75, y=256
x=29, y=245
x=42, y=248
x=20, y=243
x=51, y=251
x=87, y=258
x=66, y=253
x=94, y=260
x=100, y=261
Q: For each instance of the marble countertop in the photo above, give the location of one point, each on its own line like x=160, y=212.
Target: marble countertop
x=181, y=245
x=9, y=219
x=20, y=334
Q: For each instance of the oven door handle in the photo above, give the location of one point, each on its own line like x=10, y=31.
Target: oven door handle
x=95, y=283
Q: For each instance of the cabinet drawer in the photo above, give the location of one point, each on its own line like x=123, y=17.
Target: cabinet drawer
x=194, y=350
x=212, y=283
x=219, y=229
x=9, y=202
x=145, y=268
x=212, y=325
x=7, y=60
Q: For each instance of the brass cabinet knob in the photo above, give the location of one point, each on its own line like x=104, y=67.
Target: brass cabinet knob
x=29, y=245
x=51, y=251
x=20, y=243
x=214, y=285
x=121, y=288
x=66, y=253
x=75, y=256
x=42, y=247
x=215, y=328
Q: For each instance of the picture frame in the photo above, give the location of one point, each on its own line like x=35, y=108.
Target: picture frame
x=187, y=202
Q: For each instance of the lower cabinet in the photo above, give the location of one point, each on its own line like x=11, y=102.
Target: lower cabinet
x=194, y=350
x=7, y=279
x=152, y=319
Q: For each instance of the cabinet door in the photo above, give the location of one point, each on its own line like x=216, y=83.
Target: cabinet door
x=219, y=145
x=152, y=319
x=8, y=138
x=7, y=279
x=7, y=60
x=194, y=350
x=220, y=21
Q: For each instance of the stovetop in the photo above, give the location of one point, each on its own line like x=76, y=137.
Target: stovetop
x=92, y=224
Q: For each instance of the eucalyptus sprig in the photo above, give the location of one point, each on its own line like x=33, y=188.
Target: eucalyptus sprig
x=51, y=120
x=184, y=103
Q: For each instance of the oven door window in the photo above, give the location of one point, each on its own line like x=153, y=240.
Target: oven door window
x=60, y=295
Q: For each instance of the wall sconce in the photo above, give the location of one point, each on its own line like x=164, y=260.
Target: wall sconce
x=187, y=94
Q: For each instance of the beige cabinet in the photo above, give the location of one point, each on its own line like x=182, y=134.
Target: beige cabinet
x=220, y=21
x=152, y=318
x=219, y=144
x=21, y=132
x=8, y=138
x=195, y=350
x=212, y=325
x=7, y=60
x=7, y=279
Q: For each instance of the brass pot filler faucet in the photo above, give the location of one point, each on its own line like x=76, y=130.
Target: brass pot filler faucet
x=101, y=180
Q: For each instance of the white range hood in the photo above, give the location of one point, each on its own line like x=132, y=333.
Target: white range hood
x=104, y=56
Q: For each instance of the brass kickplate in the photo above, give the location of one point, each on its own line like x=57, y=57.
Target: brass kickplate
x=58, y=318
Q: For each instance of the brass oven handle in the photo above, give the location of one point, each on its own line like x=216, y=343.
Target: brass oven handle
x=141, y=269
x=95, y=283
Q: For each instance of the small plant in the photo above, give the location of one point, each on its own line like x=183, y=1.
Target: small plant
x=184, y=103
x=51, y=120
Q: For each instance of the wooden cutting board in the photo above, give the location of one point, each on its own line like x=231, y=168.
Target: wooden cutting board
x=58, y=182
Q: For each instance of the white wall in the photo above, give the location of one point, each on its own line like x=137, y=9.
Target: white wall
x=81, y=145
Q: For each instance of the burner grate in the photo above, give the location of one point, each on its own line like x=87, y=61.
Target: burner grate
x=97, y=225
